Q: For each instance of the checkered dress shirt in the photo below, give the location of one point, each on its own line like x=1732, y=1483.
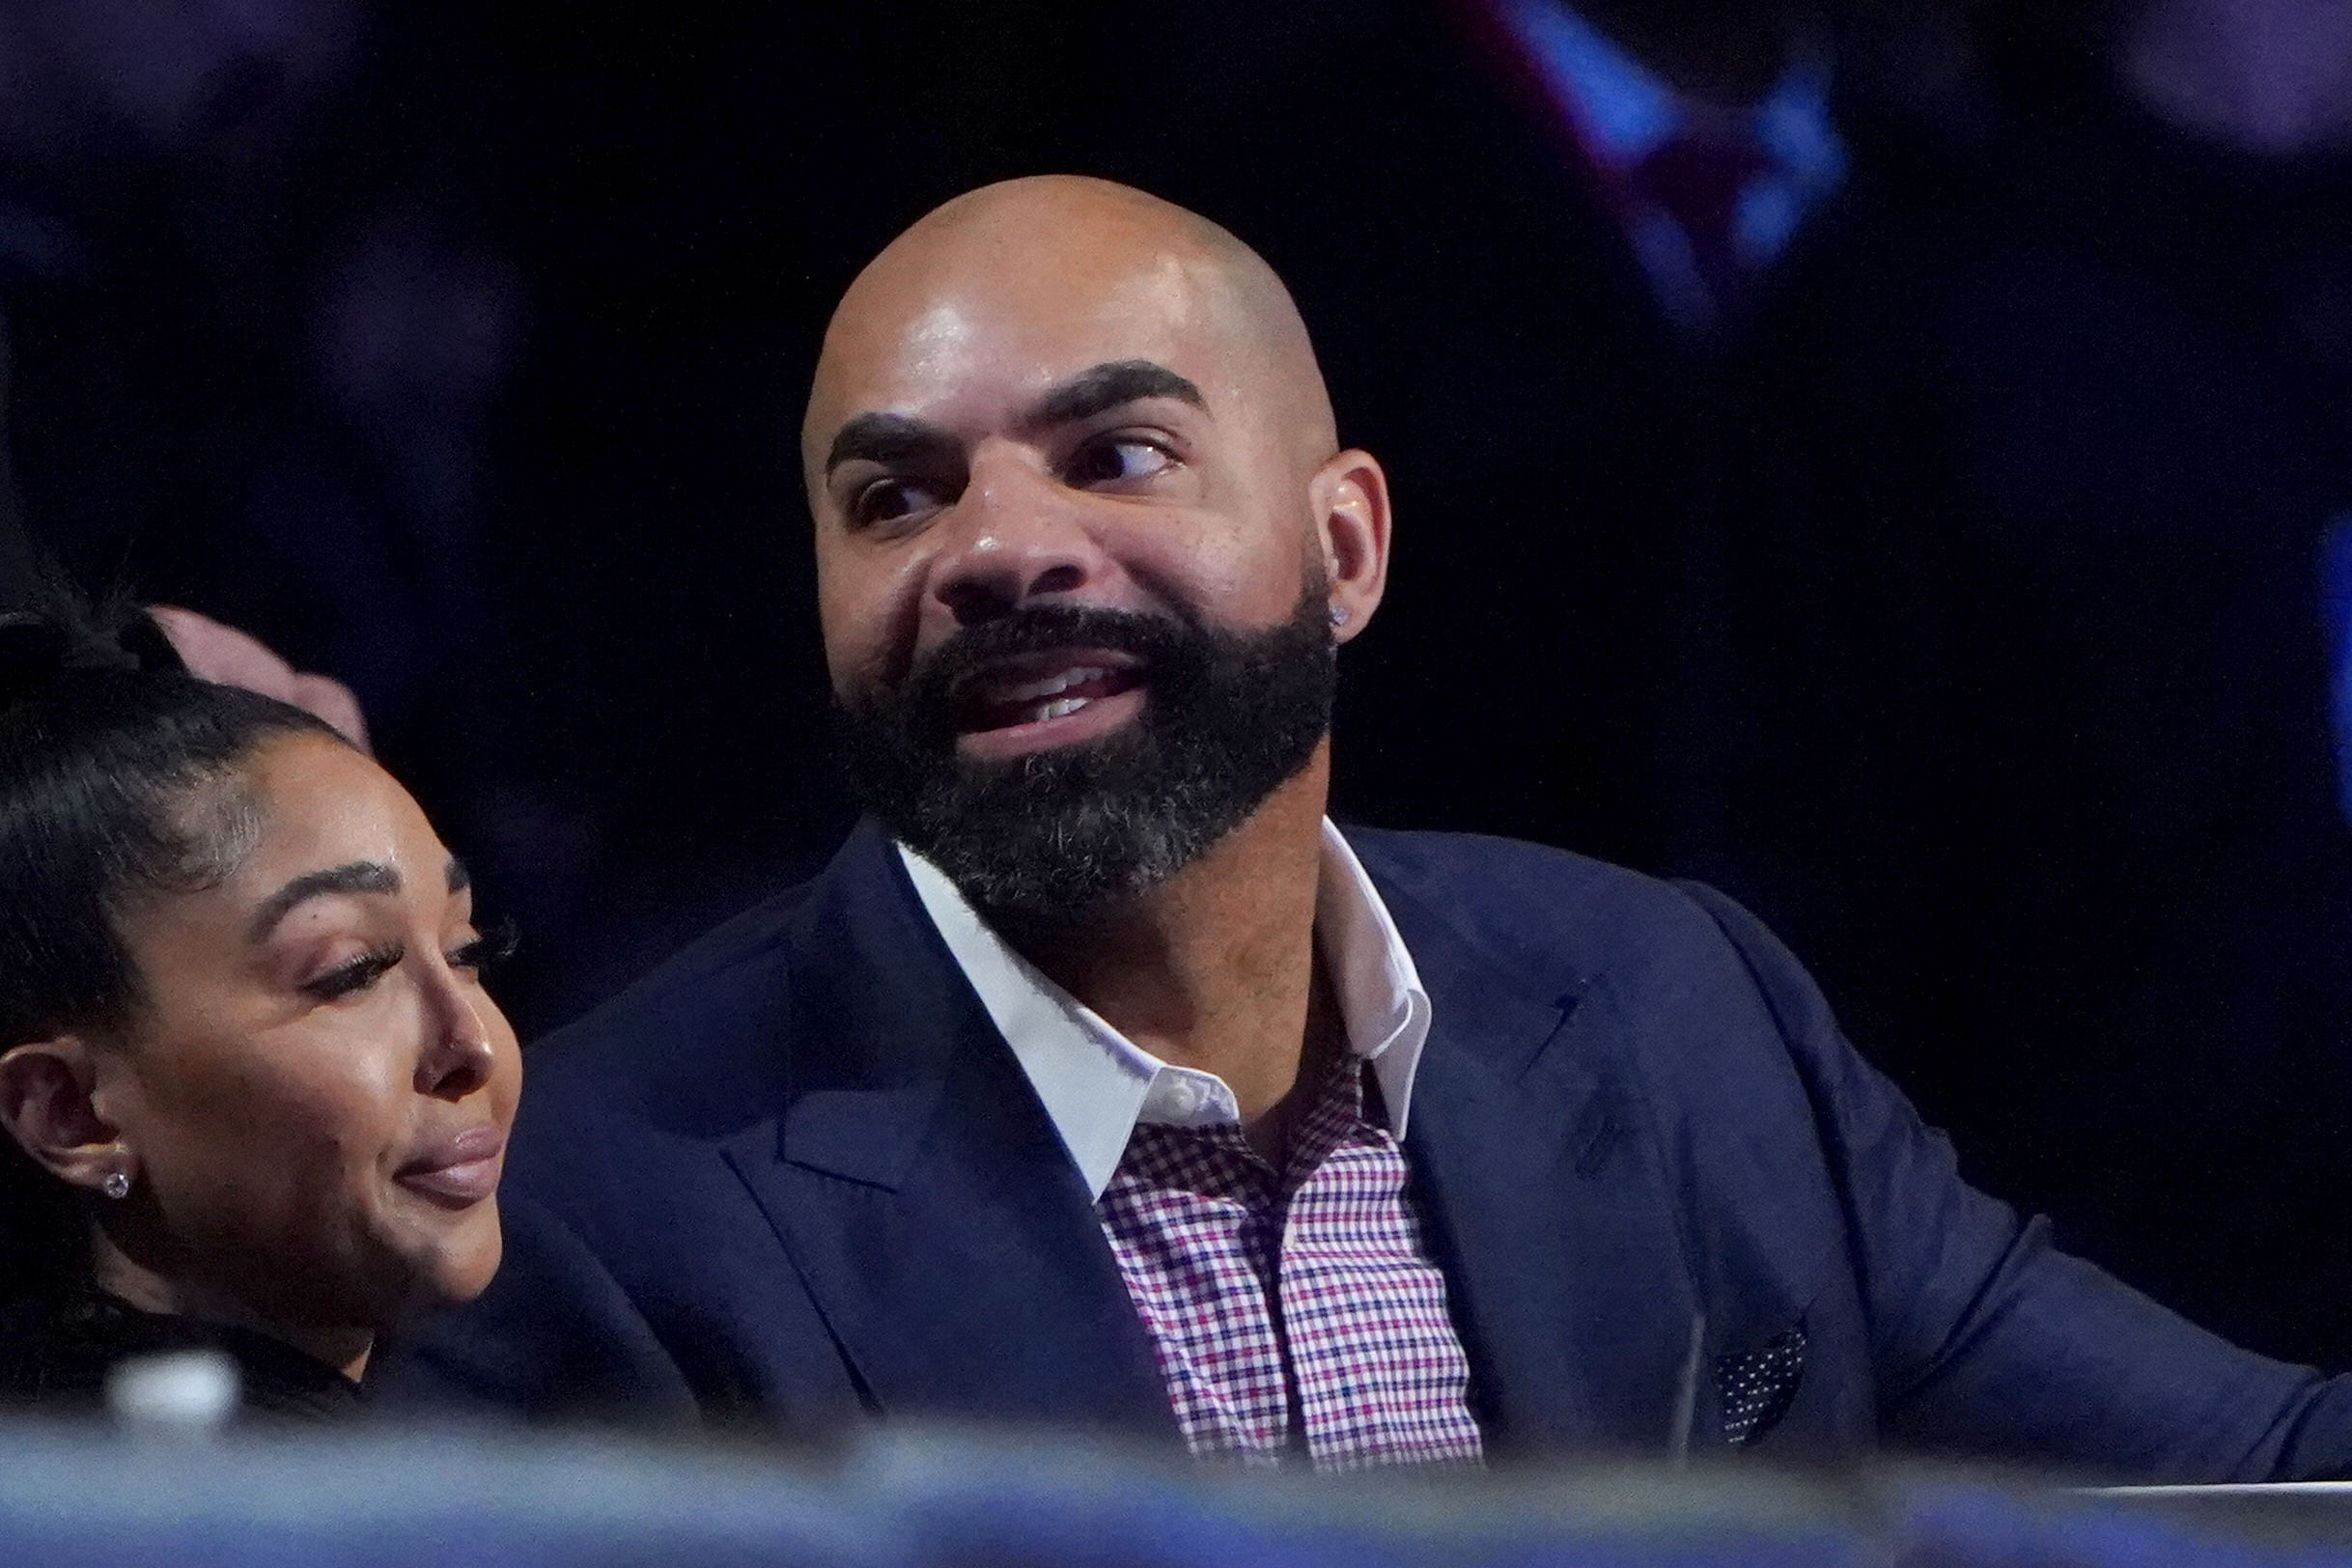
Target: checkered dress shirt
x=1294, y=1311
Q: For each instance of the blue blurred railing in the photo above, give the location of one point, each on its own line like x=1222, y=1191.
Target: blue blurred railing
x=88, y=1499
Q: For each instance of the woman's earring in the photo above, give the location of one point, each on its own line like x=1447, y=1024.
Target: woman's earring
x=117, y=1185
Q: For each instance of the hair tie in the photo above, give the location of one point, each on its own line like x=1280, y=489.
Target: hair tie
x=95, y=655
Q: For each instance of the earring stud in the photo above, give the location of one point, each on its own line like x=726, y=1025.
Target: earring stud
x=117, y=1185
x=1339, y=615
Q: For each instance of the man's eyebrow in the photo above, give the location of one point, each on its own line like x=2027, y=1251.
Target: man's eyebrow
x=1106, y=387
x=459, y=878
x=359, y=877
x=888, y=439
x=895, y=439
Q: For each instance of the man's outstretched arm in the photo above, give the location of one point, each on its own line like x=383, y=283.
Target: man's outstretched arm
x=1986, y=1339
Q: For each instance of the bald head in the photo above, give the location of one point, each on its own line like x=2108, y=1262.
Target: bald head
x=1006, y=267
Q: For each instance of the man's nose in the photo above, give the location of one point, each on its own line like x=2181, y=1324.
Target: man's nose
x=1017, y=536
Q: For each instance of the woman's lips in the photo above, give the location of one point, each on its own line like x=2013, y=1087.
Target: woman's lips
x=458, y=1171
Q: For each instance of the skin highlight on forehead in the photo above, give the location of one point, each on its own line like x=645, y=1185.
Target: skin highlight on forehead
x=1050, y=251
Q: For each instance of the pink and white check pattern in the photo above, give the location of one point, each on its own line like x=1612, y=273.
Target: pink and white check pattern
x=1292, y=1311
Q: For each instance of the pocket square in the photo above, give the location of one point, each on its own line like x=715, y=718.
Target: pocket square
x=1756, y=1386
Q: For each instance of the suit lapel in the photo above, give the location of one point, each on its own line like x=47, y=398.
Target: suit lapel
x=922, y=1192
x=1543, y=1185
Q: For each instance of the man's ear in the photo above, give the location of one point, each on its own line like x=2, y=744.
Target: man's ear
x=1350, y=495
x=46, y=1105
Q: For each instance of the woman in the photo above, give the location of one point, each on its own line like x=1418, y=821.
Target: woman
x=256, y=1096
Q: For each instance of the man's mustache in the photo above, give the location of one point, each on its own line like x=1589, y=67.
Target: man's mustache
x=1152, y=641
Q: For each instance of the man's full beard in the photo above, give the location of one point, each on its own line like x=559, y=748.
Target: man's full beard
x=1227, y=717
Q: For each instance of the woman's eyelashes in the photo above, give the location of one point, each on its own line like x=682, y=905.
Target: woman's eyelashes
x=493, y=946
x=475, y=955
x=356, y=974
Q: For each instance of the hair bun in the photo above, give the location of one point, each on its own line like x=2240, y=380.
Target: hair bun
x=39, y=647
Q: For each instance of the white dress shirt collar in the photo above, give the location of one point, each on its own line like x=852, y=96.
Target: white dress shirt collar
x=1096, y=1084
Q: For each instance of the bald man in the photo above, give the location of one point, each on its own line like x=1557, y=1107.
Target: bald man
x=1100, y=1081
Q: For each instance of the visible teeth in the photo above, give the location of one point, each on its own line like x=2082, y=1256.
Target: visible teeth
x=1052, y=686
x=1055, y=709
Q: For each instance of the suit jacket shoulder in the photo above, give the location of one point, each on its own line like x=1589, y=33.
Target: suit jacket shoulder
x=1529, y=905
x=711, y=978
x=1699, y=1096
x=1689, y=1009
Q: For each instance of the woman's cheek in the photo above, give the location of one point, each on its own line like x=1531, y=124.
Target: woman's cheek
x=314, y=1105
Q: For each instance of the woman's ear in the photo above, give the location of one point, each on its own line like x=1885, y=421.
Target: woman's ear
x=1351, y=499
x=46, y=1105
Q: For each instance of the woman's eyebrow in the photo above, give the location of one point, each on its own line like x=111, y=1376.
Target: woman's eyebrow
x=359, y=877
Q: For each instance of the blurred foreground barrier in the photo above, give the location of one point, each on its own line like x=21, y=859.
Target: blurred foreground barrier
x=88, y=1500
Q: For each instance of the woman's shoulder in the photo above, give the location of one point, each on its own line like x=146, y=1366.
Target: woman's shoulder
x=55, y=1356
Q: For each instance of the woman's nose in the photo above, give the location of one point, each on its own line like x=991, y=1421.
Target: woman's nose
x=460, y=1056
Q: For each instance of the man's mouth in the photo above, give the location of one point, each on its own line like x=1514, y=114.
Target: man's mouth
x=1039, y=689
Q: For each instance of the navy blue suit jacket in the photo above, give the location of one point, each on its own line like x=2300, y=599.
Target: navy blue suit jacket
x=796, y=1177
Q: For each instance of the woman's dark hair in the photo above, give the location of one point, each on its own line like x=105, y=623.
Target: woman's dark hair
x=117, y=780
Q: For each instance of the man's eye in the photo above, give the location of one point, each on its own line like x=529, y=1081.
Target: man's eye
x=885, y=500
x=1123, y=457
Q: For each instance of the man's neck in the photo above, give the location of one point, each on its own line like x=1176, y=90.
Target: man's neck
x=1213, y=969
x=2269, y=76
